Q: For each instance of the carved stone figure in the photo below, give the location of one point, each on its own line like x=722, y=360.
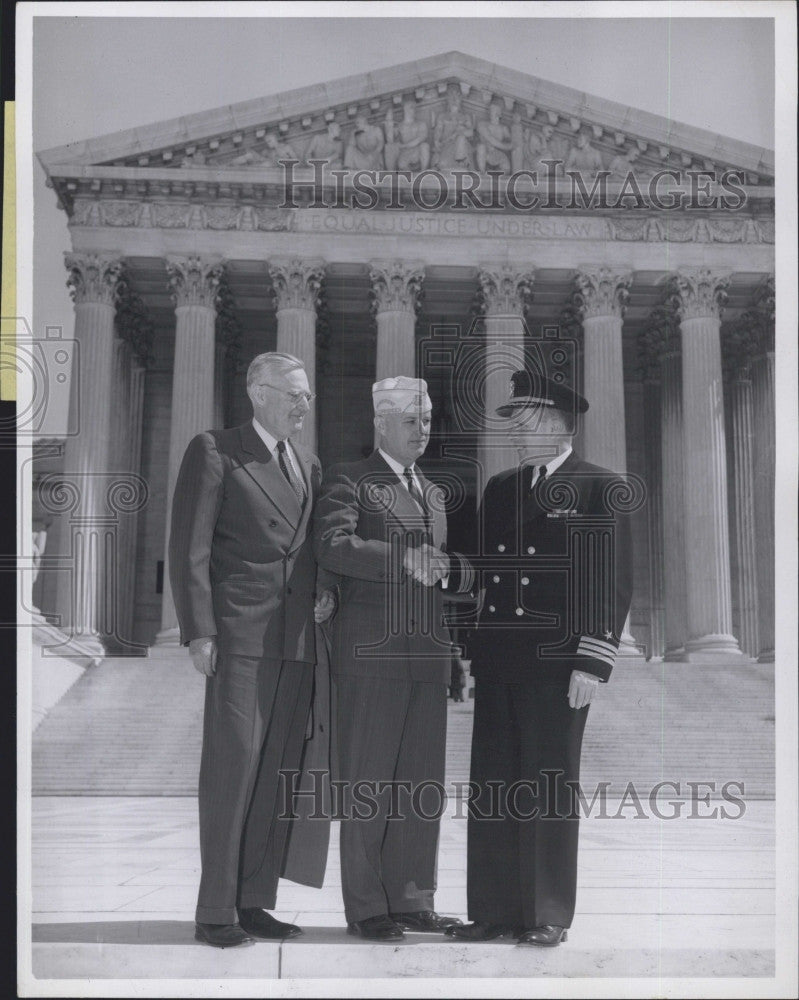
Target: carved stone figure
x=538, y=148
x=494, y=143
x=622, y=164
x=583, y=157
x=365, y=148
x=407, y=145
x=453, y=130
x=38, y=541
x=195, y=159
x=273, y=153
x=327, y=146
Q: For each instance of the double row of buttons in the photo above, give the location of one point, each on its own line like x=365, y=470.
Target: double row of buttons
x=530, y=549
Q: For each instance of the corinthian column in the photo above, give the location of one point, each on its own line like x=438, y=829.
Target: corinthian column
x=707, y=555
x=601, y=300
x=744, y=487
x=504, y=296
x=764, y=426
x=93, y=283
x=396, y=286
x=297, y=284
x=194, y=281
x=675, y=617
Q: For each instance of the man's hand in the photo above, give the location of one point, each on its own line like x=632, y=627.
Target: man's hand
x=427, y=565
x=582, y=688
x=203, y=655
x=324, y=607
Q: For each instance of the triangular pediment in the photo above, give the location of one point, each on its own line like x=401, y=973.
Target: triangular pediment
x=326, y=120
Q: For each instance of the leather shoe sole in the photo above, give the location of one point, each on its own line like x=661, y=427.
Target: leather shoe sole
x=261, y=924
x=376, y=929
x=545, y=937
x=480, y=932
x=425, y=921
x=222, y=935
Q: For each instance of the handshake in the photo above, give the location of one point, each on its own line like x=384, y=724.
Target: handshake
x=427, y=565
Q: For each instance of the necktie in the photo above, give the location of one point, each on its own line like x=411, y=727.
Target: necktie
x=415, y=492
x=288, y=471
x=542, y=475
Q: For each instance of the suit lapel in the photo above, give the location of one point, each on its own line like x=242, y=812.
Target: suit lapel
x=438, y=517
x=262, y=466
x=395, y=497
x=306, y=471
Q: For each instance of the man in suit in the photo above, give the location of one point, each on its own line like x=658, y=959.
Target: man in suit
x=244, y=581
x=556, y=570
x=380, y=527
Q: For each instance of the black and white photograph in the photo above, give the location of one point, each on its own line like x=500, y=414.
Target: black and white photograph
x=406, y=499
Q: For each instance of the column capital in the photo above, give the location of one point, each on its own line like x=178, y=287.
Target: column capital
x=505, y=289
x=396, y=285
x=297, y=281
x=194, y=279
x=601, y=291
x=701, y=292
x=93, y=277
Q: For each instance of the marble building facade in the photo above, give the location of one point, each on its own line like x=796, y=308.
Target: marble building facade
x=411, y=221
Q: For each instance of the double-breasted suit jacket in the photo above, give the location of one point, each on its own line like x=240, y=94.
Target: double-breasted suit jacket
x=240, y=551
x=242, y=569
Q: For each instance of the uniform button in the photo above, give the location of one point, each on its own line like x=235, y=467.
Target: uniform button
x=500, y=548
x=525, y=580
x=495, y=579
x=531, y=550
x=273, y=524
x=491, y=608
x=519, y=611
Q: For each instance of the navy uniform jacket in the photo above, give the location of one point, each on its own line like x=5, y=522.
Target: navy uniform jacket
x=556, y=566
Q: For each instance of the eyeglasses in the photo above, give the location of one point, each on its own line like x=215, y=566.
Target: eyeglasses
x=295, y=396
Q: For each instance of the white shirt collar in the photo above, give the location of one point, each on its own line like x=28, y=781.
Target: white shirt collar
x=552, y=464
x=271, y=442
x=397, y=467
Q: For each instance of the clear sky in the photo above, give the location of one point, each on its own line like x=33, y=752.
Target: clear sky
x=93, y=76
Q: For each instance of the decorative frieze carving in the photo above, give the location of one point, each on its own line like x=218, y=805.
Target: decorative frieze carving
x=93, y=277
x=297, y=282
x=396, y=285
x=505, y=290
x=231, y=217
x=602, y=291
x=194, y=280
x=702, y=292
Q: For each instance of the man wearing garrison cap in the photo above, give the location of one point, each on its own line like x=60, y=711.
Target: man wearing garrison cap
x=380, y=527
x=556, y=571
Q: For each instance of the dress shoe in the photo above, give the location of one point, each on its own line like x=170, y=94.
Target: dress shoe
x=222, y=935
x=425, y=920
x=478, y=931
x=261, y=924
x=379, y=928
x=547, y=935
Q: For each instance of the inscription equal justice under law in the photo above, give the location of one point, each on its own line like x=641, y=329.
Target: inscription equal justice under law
x=419, y=224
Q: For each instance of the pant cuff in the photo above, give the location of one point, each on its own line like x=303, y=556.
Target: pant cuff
x=216, y=915
x=259, y=902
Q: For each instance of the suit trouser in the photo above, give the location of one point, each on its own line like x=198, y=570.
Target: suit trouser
x=254, y=725
x=390, y=731
x=523, y=871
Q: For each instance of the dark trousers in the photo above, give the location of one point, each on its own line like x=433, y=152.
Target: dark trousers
x=390, y=730
x=256, y=712
x=523, y=872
